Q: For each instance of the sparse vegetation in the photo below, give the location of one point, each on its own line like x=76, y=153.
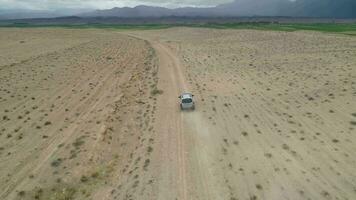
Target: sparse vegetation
x=38, y=193
x=78, y=142
x=21, y=193
x=95, y=175
x=259, y=187
x=268, y=155
x=149, y=149
x=285, y=147
x=156, y=92
x=84, y=179
x=56, y=162
x=147, y=163
x=335, y=141
x=47, y=123
x=65, y=193
x=322, y=27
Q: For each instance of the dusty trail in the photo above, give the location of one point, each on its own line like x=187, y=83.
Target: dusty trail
x=185, y=157
x=173, y=83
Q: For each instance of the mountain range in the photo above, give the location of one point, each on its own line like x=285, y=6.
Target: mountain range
x=297, y=8
x=237, y=8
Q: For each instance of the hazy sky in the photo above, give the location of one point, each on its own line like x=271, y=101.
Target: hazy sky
x=101, y=4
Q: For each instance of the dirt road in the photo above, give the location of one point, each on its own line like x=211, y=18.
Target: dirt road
x=184, y=155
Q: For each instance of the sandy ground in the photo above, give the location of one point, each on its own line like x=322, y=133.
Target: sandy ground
x=83, y=115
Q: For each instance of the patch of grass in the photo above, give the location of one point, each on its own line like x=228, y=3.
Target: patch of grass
x=66, y=193
x=344, y=28
x=84, y=179
x=56, y=162
x=285, y=147
x=57, y=192
x=90, y=26
x=244, y=133
x=78, y=142
x=253, y=197
x=325, y=193
x=149, y=149
x=47, y=123
x=156, y=92
x=38, y=193
x=259, y=187
x=147, y=163
x=268, y=155
x=21, y=193
x=335, y=141
x=95, y=175
x=353, y=123
x=322, y=27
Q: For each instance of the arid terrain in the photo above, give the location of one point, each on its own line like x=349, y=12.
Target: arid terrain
x=94, y=114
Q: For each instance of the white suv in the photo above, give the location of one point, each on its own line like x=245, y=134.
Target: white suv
x=186, y=101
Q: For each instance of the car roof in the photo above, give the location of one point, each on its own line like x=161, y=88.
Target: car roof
x=186, y=95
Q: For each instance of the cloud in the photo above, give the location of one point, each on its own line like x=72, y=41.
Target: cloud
x=101, y=4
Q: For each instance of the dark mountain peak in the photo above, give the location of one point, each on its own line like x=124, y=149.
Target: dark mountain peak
x=146, y=7
x=300, y=8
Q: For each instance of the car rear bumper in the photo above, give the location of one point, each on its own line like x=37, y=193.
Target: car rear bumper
x=187, y=106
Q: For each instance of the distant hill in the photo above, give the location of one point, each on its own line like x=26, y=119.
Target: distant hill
x=324, y=8
x=238, y=8
x=149, y=11
x=25, y=14
x=300, y=8
x=139, y=11
x=28, y=14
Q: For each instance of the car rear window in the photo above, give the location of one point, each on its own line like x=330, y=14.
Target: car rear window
x=187, y=101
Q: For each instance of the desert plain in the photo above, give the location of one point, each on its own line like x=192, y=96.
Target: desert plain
x=94, y=114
